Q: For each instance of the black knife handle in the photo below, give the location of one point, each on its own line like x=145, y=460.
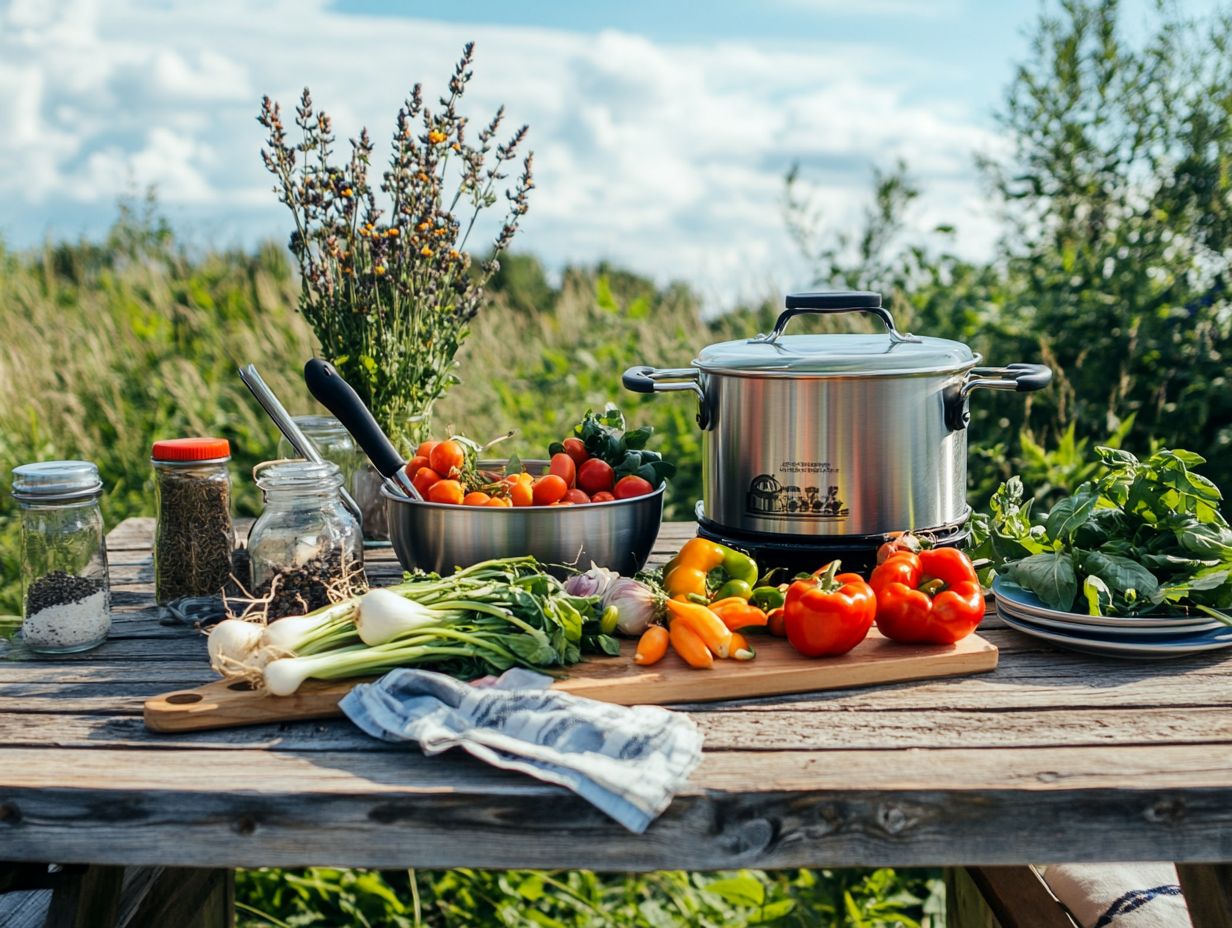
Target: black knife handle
x=336, y=395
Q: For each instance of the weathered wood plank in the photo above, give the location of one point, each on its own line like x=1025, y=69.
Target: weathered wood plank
x=1029, y=680
x=848, y=808
x=766, y=731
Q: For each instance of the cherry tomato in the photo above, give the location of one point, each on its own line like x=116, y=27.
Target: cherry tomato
x=447, y=456
x=577, y=496
x=446, y=491
x=776, y=623
x=632, y=485
x=425, y=449
x=576, y=449
x=603, y=496
x=423, y=480
x=548, y=489
x=596, y=476
x=413, y=465
x=498, y=501
x=521, y=494
x=563, y=467
x=476, y=498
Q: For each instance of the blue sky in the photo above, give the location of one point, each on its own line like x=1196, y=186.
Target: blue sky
x=662, y=130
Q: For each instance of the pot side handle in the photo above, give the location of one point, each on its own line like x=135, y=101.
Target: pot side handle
x=1019, y=378
x=644, y=379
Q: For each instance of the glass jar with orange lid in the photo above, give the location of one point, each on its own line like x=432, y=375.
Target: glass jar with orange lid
x=193, y=537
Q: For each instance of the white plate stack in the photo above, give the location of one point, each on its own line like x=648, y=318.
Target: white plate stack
x=1143, y=637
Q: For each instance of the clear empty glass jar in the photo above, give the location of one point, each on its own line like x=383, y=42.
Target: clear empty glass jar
x=306, y=549
x=333, y=442
x=66, y=592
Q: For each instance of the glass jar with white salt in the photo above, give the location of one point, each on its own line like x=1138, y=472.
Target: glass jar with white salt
x=66, y=591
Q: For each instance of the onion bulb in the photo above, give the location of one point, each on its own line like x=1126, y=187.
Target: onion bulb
x=235, y=647
x=383, y=615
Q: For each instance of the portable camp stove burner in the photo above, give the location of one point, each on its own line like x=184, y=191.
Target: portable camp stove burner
x=805, y=553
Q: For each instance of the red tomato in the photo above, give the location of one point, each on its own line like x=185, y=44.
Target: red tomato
x=425, y=449
x=548, y=489
x=446, y=457
x=446, y=491
x=595, y=476
x=603, y=496
x=423, y=480
x=577, y=496
x=576, y=449
x=476, y=498
x=630, y=486
x=563, y=467
x=413, y=465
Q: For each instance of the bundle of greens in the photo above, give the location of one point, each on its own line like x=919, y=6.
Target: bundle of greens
x=481, y=620
x=606, y=438
x=1140, y=538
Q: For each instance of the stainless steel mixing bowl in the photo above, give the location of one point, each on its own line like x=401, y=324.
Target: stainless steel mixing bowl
x=441, y=537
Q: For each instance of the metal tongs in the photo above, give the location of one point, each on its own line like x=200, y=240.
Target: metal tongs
x=299, y=441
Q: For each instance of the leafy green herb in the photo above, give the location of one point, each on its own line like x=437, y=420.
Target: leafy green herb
x=1139, y=538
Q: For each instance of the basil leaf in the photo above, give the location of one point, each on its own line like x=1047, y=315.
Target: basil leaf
x=1122, y=574
x=1049, y=576
x=1070, y=513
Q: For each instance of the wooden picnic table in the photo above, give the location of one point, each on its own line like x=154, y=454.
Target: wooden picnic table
x=1053, y=757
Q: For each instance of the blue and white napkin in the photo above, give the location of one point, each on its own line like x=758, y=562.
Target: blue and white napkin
x=1120, y=895
x=627, y=761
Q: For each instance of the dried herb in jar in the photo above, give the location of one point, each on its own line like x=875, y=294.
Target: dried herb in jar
x=194, y=537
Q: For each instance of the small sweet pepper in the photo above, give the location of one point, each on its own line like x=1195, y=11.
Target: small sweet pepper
x=828, y=613
x=702, y=567
x=932, y=597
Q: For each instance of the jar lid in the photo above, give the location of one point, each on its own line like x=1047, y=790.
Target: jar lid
x=836, y=353
x=191, y=449
x=298, y=475
x=56, y=480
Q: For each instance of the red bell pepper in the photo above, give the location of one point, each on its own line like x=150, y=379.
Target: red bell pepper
x=932, y=597
x=829, y=613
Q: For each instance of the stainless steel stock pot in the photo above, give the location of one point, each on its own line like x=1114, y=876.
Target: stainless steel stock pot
x=835, y=434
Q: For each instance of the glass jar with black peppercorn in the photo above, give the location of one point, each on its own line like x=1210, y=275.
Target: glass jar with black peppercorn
x=193, y=537
x=306, y=549
x=66, y=597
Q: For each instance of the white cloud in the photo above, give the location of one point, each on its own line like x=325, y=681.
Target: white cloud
x=667, y=158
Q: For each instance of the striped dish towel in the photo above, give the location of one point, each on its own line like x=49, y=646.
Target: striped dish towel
x=628, y=761
x=1120, y=895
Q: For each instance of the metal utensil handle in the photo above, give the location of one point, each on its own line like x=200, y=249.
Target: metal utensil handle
x=841, y=301
x=336, y=395
x=303, y=445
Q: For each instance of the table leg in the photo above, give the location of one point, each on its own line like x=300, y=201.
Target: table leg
x=1208, y=893
x=86, y=898
x=188, y=898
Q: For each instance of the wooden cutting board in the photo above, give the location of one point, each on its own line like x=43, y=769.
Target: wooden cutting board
x=776, y=671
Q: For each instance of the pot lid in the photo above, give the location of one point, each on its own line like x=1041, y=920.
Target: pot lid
x=836, y=353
